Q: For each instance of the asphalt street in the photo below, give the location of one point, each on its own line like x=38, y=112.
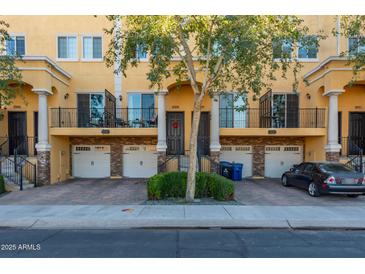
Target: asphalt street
x=189, y=243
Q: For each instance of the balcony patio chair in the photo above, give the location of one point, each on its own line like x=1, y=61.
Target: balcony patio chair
x=152, y=122
x=121, y=123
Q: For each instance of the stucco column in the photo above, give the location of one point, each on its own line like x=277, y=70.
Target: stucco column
x=333, y=147
x=215, y=146
x=161, y=131
x=43, y=147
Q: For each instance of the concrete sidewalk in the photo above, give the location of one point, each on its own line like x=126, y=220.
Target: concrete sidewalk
x=189, y=216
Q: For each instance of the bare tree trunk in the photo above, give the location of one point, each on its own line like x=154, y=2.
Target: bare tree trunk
x=190, y=187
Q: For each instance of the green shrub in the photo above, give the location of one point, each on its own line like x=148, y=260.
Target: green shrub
x=173, y=185
x=220, y=188
x=2, y=184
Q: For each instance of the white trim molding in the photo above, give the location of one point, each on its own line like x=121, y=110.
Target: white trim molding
x=333, y=92
x=323, y=63
x=46, y=70
x=42, y=91
x=48, y=60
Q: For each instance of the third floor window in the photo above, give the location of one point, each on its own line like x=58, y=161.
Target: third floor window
x=92, y=48
x=307, y=47
x=282, y=49
x=15, y=45
x=67, y=47
x=356, y=45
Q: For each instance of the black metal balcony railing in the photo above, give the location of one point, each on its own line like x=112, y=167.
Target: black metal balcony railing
x=104, y=117
x=254, y=118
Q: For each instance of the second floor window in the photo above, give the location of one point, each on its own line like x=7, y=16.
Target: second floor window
x=356, y=45
x=281, y=49
x=307, y=47
x=92, y=47
x=15, y=45
x=67, y=47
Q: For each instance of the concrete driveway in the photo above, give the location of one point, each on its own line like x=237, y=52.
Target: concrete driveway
x=271, y=192
x=81, y=192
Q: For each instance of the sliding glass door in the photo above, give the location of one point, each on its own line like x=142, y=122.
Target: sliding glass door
x=232, y=111
x=140, y=109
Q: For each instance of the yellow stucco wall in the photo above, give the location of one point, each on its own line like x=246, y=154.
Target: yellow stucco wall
x=314, y=148
x=352, y=100
x=60, y=158
x=182, y=100
x=41, y=40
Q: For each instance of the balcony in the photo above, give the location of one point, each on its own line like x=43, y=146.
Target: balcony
x=258, y=118
x=103, y=118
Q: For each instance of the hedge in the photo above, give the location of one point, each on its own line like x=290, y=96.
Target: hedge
x=2, y=184
x=173, y=185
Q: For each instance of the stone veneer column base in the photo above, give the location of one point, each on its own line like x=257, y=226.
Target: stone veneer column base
x=161, y=159
x=215, y=158
x=43, y=168
x=332, y=156
x=258, y=161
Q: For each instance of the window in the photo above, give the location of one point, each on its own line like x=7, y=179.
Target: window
x=282, y=49
x=141, y=109
x=309, y=167
x=15, y=45
x=307, y=47
x=92, y=47
x=141, y=52
x=232, y=112
x=67, y=47
x=356, y=45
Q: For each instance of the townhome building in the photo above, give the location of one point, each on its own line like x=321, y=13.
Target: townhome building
x=78, y=118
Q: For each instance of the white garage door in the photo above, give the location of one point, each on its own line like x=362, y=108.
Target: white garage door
x=91, y=161
x=139, y=161
x=239, y=154
x=279, y=159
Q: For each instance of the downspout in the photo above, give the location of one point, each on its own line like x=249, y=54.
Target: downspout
x=338, y=35
x=117, y=76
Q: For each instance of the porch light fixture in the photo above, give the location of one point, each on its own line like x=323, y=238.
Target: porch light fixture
x=120, y=98
x=308, y=96
x=66, y=96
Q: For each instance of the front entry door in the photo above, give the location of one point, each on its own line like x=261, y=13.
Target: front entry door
x=356, y=131
x=204, y=134
x=17, y=129
x=175, y=133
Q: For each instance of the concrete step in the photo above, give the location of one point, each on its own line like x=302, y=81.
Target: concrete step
x=9, y=186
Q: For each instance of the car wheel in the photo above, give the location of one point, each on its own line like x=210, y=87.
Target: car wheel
x=284, y=181
x=353, y=195
x=313, y=190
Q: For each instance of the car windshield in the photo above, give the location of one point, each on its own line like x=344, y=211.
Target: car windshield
x=334, y=168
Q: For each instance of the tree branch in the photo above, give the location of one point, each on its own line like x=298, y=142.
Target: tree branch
x=188, y=58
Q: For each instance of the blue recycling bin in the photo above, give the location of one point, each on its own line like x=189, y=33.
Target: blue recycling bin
x=237, y=171
x=226, y=169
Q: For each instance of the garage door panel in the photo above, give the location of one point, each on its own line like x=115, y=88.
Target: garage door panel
x=279, y=159
x=239, y=154
x=91, y=161
x=139, y=161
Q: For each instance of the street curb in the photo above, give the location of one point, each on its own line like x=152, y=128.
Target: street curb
x=52, y=223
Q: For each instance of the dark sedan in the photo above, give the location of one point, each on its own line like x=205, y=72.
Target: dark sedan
x=325, y=178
